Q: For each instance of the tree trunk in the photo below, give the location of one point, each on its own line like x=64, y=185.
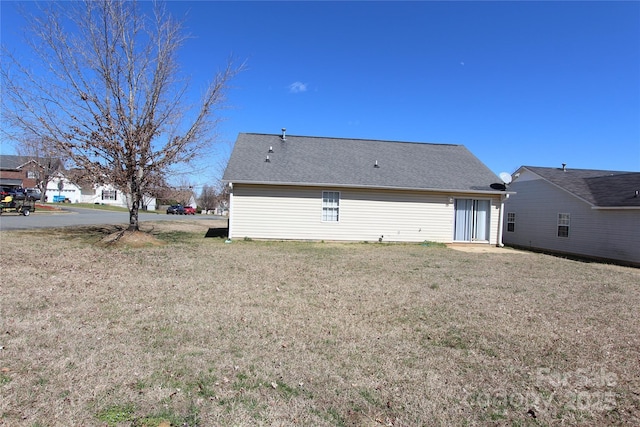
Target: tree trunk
x=135, y=205
x=133, y=218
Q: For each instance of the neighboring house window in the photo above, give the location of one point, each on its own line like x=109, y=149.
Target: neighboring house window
x=31, y=175
x=511, y=221
x=563, y=224
x=109, y=194
x=330, y=205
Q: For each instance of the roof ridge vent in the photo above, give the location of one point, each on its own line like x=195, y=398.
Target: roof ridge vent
x=284, y=134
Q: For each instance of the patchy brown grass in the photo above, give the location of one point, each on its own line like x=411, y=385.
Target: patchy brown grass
x=197, y=331
x=123, y=238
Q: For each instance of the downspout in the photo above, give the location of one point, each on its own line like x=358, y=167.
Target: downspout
x=229, y=222
x=503, y=197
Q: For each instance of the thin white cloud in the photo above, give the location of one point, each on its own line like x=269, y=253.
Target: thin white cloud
x=297, y=87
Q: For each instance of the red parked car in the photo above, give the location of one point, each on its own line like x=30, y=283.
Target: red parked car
x=188, y=210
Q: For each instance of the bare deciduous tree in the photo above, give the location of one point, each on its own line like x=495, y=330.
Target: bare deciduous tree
x=109, y=93
x=222, y=196
x=183, y=193
x=207, y=199
x=214, y=197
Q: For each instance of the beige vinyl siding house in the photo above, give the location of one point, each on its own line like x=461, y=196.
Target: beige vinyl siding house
x=310, y=189
x=587, y=213
x=364, y=214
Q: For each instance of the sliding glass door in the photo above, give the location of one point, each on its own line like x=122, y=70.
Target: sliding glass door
x=471, y=220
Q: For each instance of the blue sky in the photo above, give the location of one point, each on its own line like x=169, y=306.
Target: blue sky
x=517, y=83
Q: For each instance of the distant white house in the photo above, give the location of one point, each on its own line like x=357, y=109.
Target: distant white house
x=109, y=195
x=192, y=201
x=61, y=187
x=582, y=212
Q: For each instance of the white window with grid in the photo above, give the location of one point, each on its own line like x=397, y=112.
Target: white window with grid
x=330, y=206
x=511, y=221
x=564, y=220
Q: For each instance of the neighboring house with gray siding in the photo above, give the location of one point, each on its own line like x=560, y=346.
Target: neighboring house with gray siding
x=582, y=212
x=313, y=188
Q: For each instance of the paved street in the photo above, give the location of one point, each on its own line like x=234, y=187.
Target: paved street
x=82, y=216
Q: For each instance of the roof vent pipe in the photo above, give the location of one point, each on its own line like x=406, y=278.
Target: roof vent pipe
x=284, y=131
x=564, y=167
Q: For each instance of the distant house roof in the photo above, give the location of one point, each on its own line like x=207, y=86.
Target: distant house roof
x=12, y=162
x=600, y=188
x=339, y=162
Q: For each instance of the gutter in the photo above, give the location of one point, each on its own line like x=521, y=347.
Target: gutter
x=371, y=187
x=615, y=208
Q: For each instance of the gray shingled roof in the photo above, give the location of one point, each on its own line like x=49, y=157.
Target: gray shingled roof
x=351, y=163
x=10, y=162
x=597, y=187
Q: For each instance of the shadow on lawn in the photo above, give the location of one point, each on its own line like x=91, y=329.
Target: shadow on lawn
x=217, y=232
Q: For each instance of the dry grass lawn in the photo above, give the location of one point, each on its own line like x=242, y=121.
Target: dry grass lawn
x=197, y=331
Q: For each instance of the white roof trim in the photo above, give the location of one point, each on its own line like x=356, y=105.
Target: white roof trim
x=332, y=185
